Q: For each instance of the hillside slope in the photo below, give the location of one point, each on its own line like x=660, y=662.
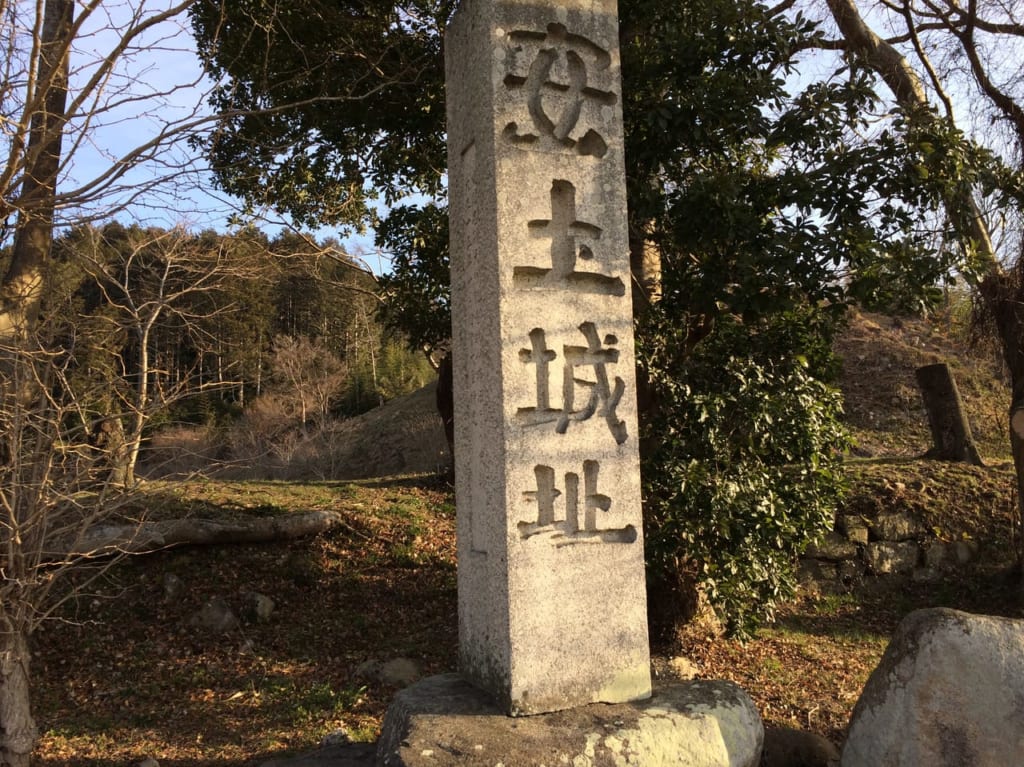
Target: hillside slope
x=883, y=410
x=883, y=406
x=890, y=431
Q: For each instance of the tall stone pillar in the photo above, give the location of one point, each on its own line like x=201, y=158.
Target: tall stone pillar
x=550, y=554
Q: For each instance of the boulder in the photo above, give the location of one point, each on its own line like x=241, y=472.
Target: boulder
x=259, y=607
x=853, y=527
x=948, y=692
x=369, y=670
x=815, y=573
x=965, y=552
x=174, y=587
x=215, y=617
x=786, y=747
x=851, y=573
x=937, y=555
x=400, y=672
x=442, y=721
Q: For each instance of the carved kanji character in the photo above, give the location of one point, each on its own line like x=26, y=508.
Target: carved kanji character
x=557, y=86
x=571, y=240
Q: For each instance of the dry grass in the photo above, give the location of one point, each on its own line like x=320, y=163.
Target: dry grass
x=882, y=402
x=123, y=675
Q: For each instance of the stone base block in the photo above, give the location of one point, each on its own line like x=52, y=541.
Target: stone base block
x=443, y=721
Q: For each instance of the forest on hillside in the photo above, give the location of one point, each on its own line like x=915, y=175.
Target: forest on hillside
x=151, y=328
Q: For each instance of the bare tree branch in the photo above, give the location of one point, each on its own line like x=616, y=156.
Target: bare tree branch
x=1010, y=109
x=925, y=61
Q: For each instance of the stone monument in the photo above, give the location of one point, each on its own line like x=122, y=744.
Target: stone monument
x=552, y=613
x=552, y=608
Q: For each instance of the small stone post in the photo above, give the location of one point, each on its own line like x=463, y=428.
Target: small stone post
x=550, y=553
x=952, y=439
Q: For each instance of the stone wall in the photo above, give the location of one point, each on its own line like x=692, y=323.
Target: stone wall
x=891, y=544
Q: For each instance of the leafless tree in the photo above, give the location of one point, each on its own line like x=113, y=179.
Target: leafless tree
x=65, y=74
x=72, y=73
x=958, y=61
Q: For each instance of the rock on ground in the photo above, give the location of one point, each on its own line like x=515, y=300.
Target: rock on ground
x=398, y=672
x=215, y=617
x=442, y=721
x=786, y=747
x=948, y=692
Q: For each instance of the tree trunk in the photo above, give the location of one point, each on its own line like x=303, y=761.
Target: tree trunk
x=21, y=292
x=1017, y=447
x=446, y=401
x=645, y=268
x=110, y=453
x=134, y=441
x=645, y=271
x=1003, y=295
x=1000, y=290
x=22, y=287
x=910, y=94
x=18, y=731
x=951, y=432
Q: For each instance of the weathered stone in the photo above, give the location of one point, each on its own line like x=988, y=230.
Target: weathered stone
x=442, y=721
x=964, y=552
x=896, y=526
x=818, y=576
x=851, y=573
x=853, y=527
x=812, y=571
x=834, y=547
x=174, y=587
x=550, y=553
x=400, y=672
x=937, y=555
x=339, y=737
x=885, y=557
x=926, y=575
x=786, y=747
x=215, y=617
x=259, y=607
x=369, y=670
x=948, y=692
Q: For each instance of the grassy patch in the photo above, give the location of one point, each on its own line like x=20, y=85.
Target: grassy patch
x=122, y=674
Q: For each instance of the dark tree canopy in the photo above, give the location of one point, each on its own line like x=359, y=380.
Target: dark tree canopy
x=770, y=206
x=325, y=104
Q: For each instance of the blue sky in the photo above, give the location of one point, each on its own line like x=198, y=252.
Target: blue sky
x=158, y=83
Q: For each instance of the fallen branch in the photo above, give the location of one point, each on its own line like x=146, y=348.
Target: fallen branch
x=145, y=537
